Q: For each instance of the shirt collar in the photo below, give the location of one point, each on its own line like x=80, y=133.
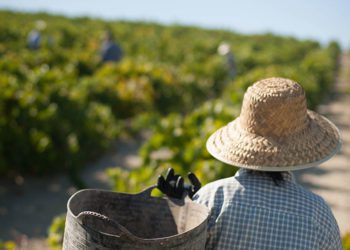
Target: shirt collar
x=287, y=175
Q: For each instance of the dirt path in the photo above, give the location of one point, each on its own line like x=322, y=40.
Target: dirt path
x=331, y=179
x=27, y=206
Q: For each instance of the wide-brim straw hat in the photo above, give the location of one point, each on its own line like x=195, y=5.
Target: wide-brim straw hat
x=275, y=131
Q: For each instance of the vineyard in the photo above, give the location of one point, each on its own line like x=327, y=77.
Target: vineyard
x=60, y=107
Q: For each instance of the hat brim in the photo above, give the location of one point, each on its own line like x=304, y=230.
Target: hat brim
x=318, y=142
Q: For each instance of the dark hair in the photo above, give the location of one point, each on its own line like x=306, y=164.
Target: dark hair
x=277, y=177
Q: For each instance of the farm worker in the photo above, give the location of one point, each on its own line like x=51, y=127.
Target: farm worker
x=34, y=36
x=262, y=206
x=110, y=50
x=33, y=40
x=224, y=49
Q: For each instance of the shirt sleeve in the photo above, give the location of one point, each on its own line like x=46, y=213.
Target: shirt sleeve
x=203, y=197
x=335, y=241
x=332, y=241
x=211, y=197
x=330, y=236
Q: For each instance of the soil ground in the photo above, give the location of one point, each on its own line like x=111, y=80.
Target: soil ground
x=331, y=179
x=27, y=206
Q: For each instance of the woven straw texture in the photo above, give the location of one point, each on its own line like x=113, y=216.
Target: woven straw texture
x=275, y=131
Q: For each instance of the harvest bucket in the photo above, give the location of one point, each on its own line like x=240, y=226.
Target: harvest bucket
x=98, y=219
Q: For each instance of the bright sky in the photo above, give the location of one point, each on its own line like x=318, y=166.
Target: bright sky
x=322, y=20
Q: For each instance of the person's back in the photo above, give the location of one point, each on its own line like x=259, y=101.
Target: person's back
x=249, y=211
x=34, y=39
x=110, y=51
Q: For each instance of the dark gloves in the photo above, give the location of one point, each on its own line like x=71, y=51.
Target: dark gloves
x=173, y=185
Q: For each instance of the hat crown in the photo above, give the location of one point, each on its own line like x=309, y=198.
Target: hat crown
x=274, y=107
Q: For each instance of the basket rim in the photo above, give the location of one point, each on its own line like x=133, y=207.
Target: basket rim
x=195, y=231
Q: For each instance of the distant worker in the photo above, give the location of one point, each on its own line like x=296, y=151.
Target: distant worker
x=34, y=36
x=110, y=50
x=225, y=50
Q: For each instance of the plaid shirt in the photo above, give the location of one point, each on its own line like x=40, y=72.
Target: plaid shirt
x=249, y=211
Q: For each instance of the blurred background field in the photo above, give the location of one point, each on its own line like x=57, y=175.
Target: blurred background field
x=62, y=110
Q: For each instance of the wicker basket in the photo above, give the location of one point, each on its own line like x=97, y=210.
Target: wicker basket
x=98, y=219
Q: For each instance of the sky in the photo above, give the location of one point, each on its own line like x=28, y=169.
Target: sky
x=322, y=20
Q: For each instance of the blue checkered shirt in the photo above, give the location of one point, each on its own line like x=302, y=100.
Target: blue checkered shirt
x=248, y=211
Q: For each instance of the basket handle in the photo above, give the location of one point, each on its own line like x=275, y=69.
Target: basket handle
x=121, y=229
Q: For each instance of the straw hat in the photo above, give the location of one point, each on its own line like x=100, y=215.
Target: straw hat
x=275, y=131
